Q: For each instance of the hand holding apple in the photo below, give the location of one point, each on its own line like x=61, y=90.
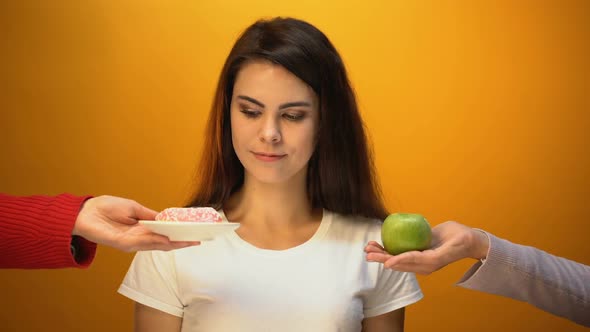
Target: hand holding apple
x=451, y=241
x=402, y=232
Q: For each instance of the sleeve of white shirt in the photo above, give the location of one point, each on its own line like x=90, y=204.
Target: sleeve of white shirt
x=393, y=290
x=151, y=281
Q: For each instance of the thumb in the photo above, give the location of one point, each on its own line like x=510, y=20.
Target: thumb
x=141, y=212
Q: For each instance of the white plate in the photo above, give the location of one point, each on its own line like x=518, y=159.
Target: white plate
x=189, y=230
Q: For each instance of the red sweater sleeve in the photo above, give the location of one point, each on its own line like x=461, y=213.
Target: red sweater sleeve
x=36, y=232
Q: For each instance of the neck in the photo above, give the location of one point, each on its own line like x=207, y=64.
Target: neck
x=284, y=204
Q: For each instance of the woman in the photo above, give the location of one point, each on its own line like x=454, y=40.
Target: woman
x=286, y=157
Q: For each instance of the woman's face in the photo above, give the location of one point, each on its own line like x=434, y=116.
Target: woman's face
x=274, y=122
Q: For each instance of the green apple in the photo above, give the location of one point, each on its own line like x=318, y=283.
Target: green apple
x=403, y=232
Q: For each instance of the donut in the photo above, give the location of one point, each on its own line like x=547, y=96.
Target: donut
x=192, y=214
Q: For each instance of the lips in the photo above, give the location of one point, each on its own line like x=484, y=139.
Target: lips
x=268, y=157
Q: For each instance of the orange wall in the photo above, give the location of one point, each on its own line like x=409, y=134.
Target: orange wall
x=479, y=112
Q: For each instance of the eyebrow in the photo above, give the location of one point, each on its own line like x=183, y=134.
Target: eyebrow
x=282, y=106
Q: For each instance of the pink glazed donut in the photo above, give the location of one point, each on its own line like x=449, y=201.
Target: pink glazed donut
x=193, y=214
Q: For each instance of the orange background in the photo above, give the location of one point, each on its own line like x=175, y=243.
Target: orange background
x=479, y=112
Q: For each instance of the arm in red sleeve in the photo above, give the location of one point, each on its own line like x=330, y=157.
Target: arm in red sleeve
x=36, y=232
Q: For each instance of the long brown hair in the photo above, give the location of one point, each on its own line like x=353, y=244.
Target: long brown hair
x=341, y=175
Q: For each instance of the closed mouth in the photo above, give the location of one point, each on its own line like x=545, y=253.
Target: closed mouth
x=268, y=156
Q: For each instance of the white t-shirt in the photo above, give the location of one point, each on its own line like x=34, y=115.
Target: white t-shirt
x=227, y=284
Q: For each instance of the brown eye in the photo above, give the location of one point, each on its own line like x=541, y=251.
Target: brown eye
x=250, y=113
x=293, y=116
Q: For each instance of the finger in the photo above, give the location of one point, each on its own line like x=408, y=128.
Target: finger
x=374, y=244
x=374, y=248
x=369, y=250
x=419, y=258
x=173, y=245
x=378, y=257
x=424, y=262
x=418, y=269
x=392, y=263
x=141, y=212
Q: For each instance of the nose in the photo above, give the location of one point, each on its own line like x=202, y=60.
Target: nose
x=270, y=132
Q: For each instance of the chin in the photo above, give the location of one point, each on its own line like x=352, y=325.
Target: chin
x=271, y=176
x=271, y=179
